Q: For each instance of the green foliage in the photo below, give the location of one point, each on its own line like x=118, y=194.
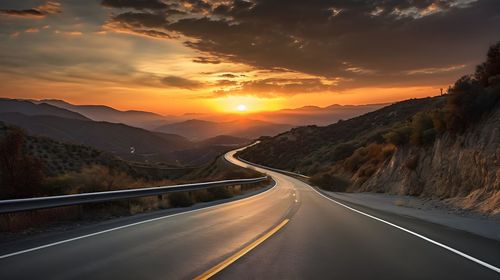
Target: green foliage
x=422, y=130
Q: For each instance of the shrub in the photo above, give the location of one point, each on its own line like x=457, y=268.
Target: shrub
x=342, y=151
x=329, y=182
x=490, y=68
x=398, y=136
x=20, y=175
x=438, y=121
x=422, y=129
x=180, y=199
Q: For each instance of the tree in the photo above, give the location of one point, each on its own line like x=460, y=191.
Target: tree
x=20, y=175
x=490, y=68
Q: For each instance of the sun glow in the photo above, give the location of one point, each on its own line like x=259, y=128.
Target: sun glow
x=241, y=108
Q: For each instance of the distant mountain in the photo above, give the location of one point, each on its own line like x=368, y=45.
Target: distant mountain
x=135, y=118
x=313, y=115
x=31, y=109
x=198, y=130
x=224, y=140
x=125, y=141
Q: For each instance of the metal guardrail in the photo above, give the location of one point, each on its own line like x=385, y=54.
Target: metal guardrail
x=274, y=169
x=16, y=205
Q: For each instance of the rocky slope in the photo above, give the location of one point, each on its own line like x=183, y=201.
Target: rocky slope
x=465, y=169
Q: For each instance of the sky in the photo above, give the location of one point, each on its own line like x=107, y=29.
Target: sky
x=175, y=57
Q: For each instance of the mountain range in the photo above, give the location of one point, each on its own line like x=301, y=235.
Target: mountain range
x=127, y=142
x=197, y=130
x=135, y=118
x=144, y=136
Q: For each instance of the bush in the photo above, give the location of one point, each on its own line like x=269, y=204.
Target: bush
x=180, y=199
x=398, y=136
x=422, y=129
x=329, y=182
x=369, y=157
x=342, y=151
x=490, y=68
x=438, y=121
x=20, y=175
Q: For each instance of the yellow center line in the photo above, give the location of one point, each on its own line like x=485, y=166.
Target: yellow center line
x=214, y=270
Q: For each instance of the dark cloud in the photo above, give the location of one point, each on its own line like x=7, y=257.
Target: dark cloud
x=31, y=13
x=179, y=82
x=140, y=20
x=207, y=60
x=136, y=4
x=360, y=43
x=49, y=7
x=228, y=75
x=140, y=23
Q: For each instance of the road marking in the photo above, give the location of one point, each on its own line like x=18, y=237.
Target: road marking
x=219, y=267
x=133, y=224
x=485, y=264
x=460, y=253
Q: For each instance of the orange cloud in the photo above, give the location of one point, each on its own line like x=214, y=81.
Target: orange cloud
x=31, y=30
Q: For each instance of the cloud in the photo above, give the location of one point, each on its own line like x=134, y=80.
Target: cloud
x=272, y=87
x=206, y=60
x=145, y=24
x=179, y=82
x=30, y=13
x=135, y=4
x=382, y=40
x=225, y=83
x=50, y=7
x=228, y=75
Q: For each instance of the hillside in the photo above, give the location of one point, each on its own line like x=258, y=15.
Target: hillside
x=311, y=148
x=125, y=141
x=39, y=166
x=198, y=130
x=59, y=157
x=446, y=147
x=135, y=118
x=31, y=109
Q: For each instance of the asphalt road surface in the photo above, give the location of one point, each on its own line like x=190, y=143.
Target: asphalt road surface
x=289, y=231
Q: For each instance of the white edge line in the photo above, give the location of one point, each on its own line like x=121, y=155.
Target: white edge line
x=485, y=264
x=471, y=258
x=133, y=224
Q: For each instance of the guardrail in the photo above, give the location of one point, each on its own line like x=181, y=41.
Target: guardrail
x=274, y=169
x=25, y=204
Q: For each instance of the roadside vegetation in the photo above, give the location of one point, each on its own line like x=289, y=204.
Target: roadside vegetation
x=32, y=166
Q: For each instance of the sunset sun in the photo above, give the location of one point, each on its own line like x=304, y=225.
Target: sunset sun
x=241, y=108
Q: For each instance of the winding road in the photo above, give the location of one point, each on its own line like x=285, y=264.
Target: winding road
x=289, y=231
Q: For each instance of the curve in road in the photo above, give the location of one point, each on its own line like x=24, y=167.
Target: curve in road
x=321, y=239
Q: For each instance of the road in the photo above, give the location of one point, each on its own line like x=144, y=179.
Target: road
x=289, y=231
